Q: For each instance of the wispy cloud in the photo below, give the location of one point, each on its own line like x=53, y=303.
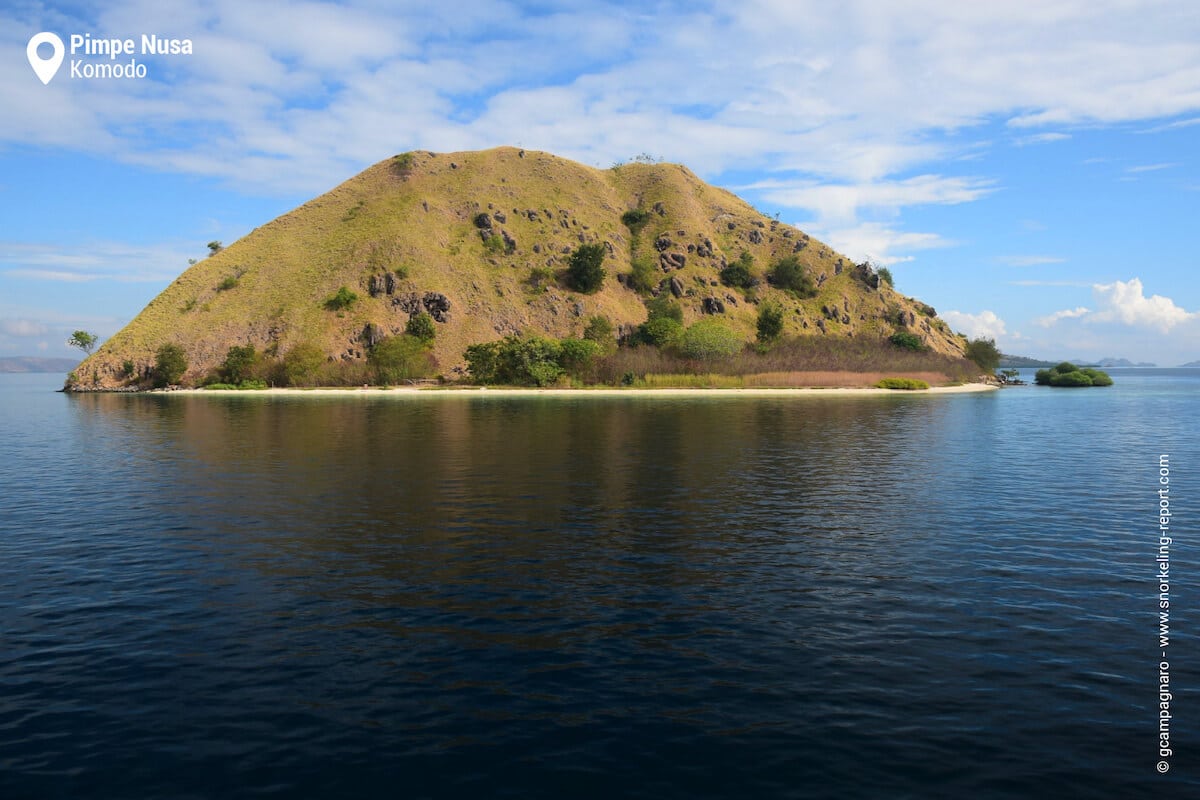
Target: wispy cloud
x=842, y=202
x=1150, y=168
x=337, y=86
x=1172, y=126
x=1041, y=138
x=1050, y=319
x=93, y=261
x=1029, y=261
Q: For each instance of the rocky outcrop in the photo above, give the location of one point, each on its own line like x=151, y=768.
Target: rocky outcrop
x=438, y=306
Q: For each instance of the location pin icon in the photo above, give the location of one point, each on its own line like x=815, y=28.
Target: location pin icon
x=45, y=67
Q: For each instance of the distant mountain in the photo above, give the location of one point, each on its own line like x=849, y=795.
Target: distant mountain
x=31, y=364
x=1191, y=365
x=1123, y=362
x=1010, y=362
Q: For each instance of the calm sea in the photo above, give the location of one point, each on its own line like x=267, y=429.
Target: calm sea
x=478, y=596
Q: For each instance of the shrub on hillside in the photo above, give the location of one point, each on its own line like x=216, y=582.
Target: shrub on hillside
x=739, y=274
x=585, y=272
x=599, y=329
x=789, y=274
x=342, y=298
x=770, y=323
x=708, y=339
x=399, y=358
x=302, y=364
x=420, y=326
x=635, y=219
x=906, y=341
x=170, y=362
x=984, y=353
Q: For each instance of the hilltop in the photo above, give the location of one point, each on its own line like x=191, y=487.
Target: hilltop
x=481, y=242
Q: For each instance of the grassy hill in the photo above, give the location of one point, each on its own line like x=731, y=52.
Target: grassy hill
x=482, y=240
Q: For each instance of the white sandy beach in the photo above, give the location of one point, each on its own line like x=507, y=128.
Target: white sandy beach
x=442, y=391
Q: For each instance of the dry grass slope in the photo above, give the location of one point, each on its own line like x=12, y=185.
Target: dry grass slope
x=417, y=219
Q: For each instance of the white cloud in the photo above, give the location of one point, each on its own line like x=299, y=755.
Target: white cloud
x=1042, y=138
x=1150, y=168
x=1171, y=126
x=1050, y=319
x=985, y=324
x=844, y=201
x=1125, y=302
x=855, y=94
x=877, y=242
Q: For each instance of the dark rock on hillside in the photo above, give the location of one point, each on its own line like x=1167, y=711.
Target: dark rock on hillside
x=864, y=274
x=438, y=306
x=372, y=334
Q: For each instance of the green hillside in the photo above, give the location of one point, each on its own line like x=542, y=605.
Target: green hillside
x=481, y=240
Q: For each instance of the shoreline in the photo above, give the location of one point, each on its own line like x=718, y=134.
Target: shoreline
x=489, y=391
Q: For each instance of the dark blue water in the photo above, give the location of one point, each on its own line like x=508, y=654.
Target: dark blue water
x=478, y=596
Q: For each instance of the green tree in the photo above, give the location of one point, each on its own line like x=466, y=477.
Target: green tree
x=984, y=353
x=885, y=275
x=585, y=272
x=906, y=341
x=770, y=322
x=483, y=361
x=302, y=364
x=170, y=362
x=576, y=356
x=399, y=358
x=529, y=360
x=739, y=273
x=421, y=327
x=635, y=219
x=516, y=360
x=215, y=247
x=661, y=331
x=788, y=273
x=239, y=364
x=84, y=341
x=599, y=329
x=342, y=298
x=708, y=340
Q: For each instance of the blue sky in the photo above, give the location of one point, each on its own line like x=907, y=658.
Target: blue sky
x=1028, y=168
